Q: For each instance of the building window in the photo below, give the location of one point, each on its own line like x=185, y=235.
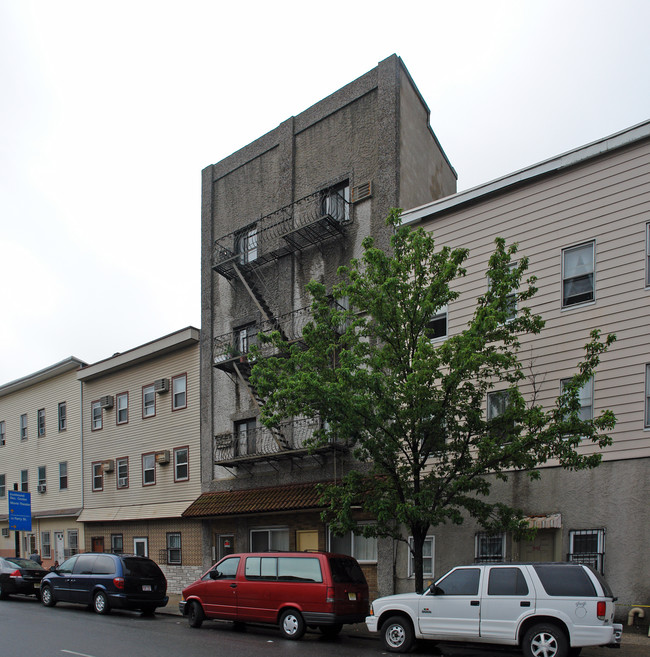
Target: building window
x=97, y=416
x=63, y=475
x=149, y=469
x=588, y=546
x=586, y=398
x=23, y=426
x=141, y=546
x=335, y=203
x=275, y=538
x=578, y=275
x=24, y=481
x=42, y=478
x=122, y=472
x=181, y=464
x=427, y=557
x=46, y=545
x=63, y=416
x=437, y=326
x=2, y=433
x=117, y=543
x=359, y=547
x=148, y=401
x=647, y=397
x=73, y=542
x=40, y=425
x=122, y=415
x=245, y=437
x=179, y=392
x=98, y=476
x=511, y=298
x=489, y=547
x=3, y=485
x=498, y=402
x=246, y=245
x=174, y=554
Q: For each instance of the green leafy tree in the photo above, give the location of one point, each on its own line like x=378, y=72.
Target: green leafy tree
x=413, y=410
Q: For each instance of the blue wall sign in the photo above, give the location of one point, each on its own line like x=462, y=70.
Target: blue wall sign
x=20, y=511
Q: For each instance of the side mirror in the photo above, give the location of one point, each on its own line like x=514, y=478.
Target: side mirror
x=436, y=590
x=215, y=574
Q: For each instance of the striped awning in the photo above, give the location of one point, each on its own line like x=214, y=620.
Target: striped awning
x=550, y=521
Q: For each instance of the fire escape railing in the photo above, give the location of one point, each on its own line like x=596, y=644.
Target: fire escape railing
x=301, y=224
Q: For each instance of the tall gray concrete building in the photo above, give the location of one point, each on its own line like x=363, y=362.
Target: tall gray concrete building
x=290, y=207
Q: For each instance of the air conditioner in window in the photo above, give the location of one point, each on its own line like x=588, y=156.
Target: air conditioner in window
x=123, y=482
x=41, y=488
x=161, y=385
x=5, y=532
x=106, y=401
x=108, y=466
x=162, y=458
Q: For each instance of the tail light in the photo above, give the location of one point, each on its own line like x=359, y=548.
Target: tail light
x=119, y=583
x=601, y=610
x=330, y=595
x=16, y=573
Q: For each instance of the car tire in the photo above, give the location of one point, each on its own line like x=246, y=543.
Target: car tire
x=195, y=615
x=292, y=624
x=397, y=634
x=331, y=630
x=545, y=640
x=100, y=603
x=47, y=596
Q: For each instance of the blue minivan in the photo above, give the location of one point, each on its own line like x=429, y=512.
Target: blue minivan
x=105, y=581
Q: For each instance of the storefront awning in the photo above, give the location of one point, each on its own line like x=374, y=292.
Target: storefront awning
x=134, y=512
x=292, y=497
x=551, y=521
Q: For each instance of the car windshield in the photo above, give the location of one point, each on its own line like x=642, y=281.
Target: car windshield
x=138, y=567
x=25, y=563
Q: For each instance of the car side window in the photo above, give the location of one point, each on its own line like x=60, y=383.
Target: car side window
x=227, y=569
x=462, y=581
x=84, y=565
x=104, y=565
x=67, y=566
x=507, y=581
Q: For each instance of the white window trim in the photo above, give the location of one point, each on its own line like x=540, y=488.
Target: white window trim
x=145, y=391
x=411, y=565
x=581, y=304
x=353, y=537
x=177, y=450
x=591, y=398
x=122, y=408
x=441, y=312
x=269, y=530
x=477, y=538
x=175, y=380
x=144, y=540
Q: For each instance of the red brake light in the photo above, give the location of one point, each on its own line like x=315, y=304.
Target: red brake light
x=119, y=583
x=601, y=610
x=330, y=594
x=16, y=573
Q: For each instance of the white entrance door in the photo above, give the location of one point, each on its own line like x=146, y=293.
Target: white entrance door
x=59, y=554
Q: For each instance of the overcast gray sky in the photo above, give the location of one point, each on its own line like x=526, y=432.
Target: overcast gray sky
x=109, y=112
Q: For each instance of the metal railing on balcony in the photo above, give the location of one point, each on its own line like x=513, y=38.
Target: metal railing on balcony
x=308, y=221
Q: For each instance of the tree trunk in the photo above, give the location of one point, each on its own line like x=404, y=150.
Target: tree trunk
x=419, y=535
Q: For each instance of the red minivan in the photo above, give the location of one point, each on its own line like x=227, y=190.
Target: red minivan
x=293, y=590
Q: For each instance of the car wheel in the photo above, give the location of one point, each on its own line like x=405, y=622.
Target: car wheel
x=331, y=630
x=545, y=640
x=195, y=615
x=47, y=596
x=100, y=603
x=292, y=624
x=397, y=634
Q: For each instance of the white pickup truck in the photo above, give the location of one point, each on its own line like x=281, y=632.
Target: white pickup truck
x=548, y=609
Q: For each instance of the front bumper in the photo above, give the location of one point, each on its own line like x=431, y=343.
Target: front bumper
x=181, y=607
x=371, y=623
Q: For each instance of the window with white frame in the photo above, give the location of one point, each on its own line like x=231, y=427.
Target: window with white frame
x=179, y=392
x=148, y=401
x=587, y=546
x=122, y=403
x=117, y=543
x=578, y=274
x=585, y=396
x=360, y=547
x=148, y=469
x=23, y=426
x=181, y=464
x=647, y=397
x=489, y=547
x=246, y=245
x=3, y=434
x=141, y=546
x=174, y=554
x=73, y=542
x=437, y=326
x=498, y=402
x=40, y=424
x=63, y=416
x=335, y=202
x=24, y=481
x=63, y=475
x=46, y=545
x=271, y=538
x=245, y=437
x=427, y=557
x=98, y=476
x=122, y=467
x=97, y=416
x=3, y=485
x=42, y=478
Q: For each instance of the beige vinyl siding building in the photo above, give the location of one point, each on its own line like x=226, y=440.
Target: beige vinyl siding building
x=40, y=453
x=582, y=219
x=141, y=454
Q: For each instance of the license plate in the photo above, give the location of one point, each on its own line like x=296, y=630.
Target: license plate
x=146, y=587
x=352, y=596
